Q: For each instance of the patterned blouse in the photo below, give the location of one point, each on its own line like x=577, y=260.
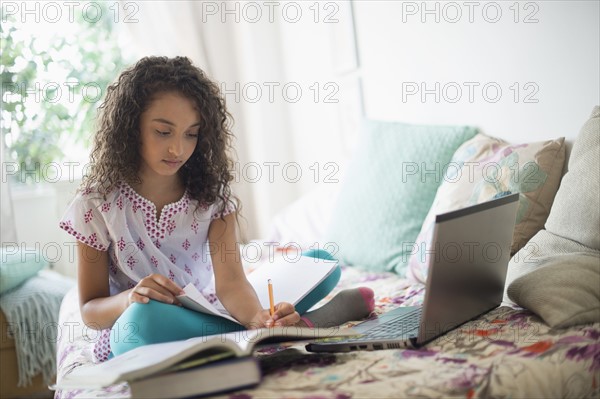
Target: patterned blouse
x=138, y=244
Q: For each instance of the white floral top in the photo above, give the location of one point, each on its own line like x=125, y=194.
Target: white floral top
x=125, y=225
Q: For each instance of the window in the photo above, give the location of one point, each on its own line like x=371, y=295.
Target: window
x=56, y=65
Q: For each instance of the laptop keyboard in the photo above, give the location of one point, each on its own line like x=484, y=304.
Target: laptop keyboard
x=393, y=328
x=397, y=326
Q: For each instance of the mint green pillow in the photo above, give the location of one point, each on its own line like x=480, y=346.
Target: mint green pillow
x=388, y=189
x=17, y=265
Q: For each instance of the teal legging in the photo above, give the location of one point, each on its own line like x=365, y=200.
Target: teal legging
x=154, y=322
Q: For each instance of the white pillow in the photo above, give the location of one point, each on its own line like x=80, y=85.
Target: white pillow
x=562, y=290
x=302, y=224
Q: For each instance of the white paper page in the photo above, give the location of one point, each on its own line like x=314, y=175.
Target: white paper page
x=148, y=359
x=117, y=368
x=291, y=279
x=196, y=301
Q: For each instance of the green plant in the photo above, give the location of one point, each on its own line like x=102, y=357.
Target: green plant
x=52, y=84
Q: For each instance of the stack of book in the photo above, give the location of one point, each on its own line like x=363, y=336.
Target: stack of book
x=190, y=379
x=196, y=366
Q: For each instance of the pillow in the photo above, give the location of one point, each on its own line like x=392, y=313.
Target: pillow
x=17, y=265
x=388, y=189
x=302, y=223
x=579, y=190
x=563, y=291
x=572, y=224
x=484, y=168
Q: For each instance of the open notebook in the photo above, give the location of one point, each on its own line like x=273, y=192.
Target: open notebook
x=292, y=281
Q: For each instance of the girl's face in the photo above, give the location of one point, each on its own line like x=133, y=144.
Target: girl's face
x=169, y=133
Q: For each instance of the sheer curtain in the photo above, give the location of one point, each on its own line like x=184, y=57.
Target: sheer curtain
x=176, y=28
x=243, y=55
x=8, y=230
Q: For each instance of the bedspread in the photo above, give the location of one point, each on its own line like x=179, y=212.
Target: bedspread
x=505, y=353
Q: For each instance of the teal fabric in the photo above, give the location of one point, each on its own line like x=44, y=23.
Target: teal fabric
x=155, y=322
x=388, y=189
x=17, y=265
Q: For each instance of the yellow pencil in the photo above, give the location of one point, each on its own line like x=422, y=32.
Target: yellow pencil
x=271, y=301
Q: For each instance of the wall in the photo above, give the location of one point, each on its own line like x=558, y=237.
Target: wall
x=419, y=61
x=522, y=71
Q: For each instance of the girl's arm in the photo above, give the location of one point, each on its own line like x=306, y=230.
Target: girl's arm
x=232, y=288
x=100, y=310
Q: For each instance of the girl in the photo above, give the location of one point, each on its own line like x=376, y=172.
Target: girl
x=157, y=194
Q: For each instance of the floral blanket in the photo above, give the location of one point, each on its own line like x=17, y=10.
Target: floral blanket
x=505, y=353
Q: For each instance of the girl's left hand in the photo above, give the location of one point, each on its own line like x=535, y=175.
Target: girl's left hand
x=285, y=315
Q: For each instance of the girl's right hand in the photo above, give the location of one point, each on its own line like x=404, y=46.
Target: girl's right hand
x=157, y=287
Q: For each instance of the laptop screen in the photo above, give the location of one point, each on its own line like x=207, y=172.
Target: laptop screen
x=468, y=263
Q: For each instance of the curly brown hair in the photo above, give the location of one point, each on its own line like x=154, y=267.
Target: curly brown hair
x=115, y=157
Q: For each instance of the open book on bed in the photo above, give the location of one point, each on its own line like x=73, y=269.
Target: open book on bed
x=292, y=281
x=149, y=360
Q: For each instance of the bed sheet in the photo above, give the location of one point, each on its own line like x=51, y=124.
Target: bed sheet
x=505, y=353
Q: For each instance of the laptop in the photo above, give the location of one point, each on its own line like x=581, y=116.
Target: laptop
x=467, y=268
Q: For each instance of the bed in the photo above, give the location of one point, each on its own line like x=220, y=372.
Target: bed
x=543, y=341
x=509, y=352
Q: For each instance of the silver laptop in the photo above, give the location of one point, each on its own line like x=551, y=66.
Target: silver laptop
x=467, y=270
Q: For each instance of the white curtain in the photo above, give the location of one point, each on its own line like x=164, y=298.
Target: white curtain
x=8, y=231
x=224, y=52
x=164, y=28
x=241, y=54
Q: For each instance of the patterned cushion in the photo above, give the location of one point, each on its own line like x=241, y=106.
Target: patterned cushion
x=484, y=168
x=388, y=189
